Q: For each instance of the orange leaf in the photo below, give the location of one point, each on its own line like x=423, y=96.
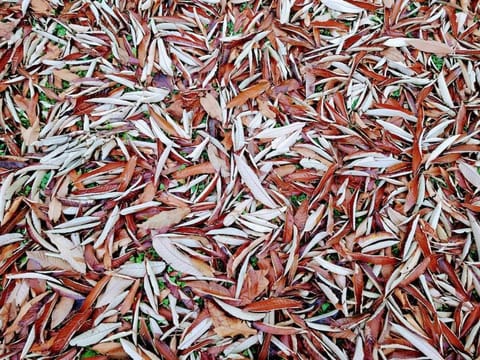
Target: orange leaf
x=249, y=93
x=203, y=168
x=127, y=173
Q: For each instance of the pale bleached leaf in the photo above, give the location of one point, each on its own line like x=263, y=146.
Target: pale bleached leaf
x=417, y=341
x=342, y=6
x=70, y=252
x=130, y=349
x=253, y=182
x=164, y=246
x=94, y=335
x=470, y=173
x=239, y=313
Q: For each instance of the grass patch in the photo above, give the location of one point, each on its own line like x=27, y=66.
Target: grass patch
x=437, y=62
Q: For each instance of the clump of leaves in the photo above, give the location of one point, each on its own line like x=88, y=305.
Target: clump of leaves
x=231, y=29
x=198, y=188
x=254, y=262
x=378, y=18
x=325, y=307
x=354, y=104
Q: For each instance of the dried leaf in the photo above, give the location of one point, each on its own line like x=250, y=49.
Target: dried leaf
x=226, y=326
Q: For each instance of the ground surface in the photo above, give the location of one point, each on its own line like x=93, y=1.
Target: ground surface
x=227, y=179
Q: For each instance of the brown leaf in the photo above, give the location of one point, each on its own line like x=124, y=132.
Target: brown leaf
x=203, y=168
x=273, y=304
x=255, y=284
x=165, y=219
x=227, y=326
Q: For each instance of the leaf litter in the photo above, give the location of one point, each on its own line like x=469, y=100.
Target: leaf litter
x=239, y=180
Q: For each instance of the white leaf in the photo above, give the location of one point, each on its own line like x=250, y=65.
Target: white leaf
x=418, y=342
x=375, y=162
x=239, y=313
x=342, y=6
x=71, y=253
x=112, y=219
x=475, y=230
x=272, y=133
x=163, y=245
x=396, y=42
x=211, y=106
x=440, y=148
x=443, y=88
x=164, y=60
x=195, y=333
x=340, y=270
x=253, y=182
x=61, y=311
x=470, y=173
x=130, y=349
x=165, y=219
x=93, y=336
x=138, y=270
x=115, y=287
x=390, y=113
x=396, y=130
x=10, y=238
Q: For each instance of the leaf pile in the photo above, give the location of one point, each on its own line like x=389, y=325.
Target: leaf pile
x=239, y=179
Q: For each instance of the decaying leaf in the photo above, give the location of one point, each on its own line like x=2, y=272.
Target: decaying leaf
x=239, y=179
x=226, y=326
